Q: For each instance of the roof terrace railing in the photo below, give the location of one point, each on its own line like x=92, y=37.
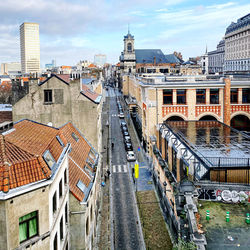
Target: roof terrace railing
x=226, y=162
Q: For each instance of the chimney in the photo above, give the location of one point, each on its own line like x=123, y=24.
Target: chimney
x=154, y=60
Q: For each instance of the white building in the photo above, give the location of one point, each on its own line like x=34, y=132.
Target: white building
x=203, y=62
x=237, y=48
x=30, y=48
x=100, y=60
x=11, y=68
x=216, y=59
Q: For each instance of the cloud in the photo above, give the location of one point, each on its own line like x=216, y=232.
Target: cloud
x=161, y=10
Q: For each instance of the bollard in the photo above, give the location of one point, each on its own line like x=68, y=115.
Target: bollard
x=227, y=217
x=248, y=218
x=208, y=215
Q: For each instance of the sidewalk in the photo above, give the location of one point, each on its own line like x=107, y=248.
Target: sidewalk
x=144, y=182
x=103, y=232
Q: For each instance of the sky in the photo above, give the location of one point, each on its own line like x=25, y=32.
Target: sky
x=74, y=30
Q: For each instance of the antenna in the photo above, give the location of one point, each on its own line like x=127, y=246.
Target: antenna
x=128, y=29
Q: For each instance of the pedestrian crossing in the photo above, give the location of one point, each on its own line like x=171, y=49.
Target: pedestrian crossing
x=119, y=168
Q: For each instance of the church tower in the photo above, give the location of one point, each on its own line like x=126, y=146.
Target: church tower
x=128, y=61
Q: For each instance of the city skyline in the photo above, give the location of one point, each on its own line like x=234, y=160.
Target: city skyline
x=72, y=31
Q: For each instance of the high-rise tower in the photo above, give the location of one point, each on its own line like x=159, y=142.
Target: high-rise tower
x=30, y=47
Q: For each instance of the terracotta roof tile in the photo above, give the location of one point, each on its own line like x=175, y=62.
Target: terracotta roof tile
x=80, y=151
x=21, y=153
x=64, y=77
x=93, y=96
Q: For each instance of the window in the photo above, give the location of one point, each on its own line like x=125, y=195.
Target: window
x=61, y=228
x=234, y=96
x=200, y=96
x=167, y=96
x=28, y=226
x=214, y=96
x=60, y=140
x=181, y=96
x=66, y=213
x=47, y=156
x=129, y=47
x=54, y=203
x=87, y=226
x=245, y=95
x=48, y=95
x=60, y=188
x=55, y=242
x=65, y=176
x=81, y=186
x=174, y=162
x=75, y=137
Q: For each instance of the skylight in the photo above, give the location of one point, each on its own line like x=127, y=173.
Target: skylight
x=81, y=186
x=60, y=140
x=76, y=138
x=47, y=156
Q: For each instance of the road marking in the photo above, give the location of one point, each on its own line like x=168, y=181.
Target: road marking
x=119, y=168
x=125, y=168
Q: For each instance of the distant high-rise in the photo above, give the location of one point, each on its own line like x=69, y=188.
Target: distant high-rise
x=30, y=47
x=100, y=60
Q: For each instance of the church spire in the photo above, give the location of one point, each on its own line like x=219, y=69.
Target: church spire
x=128, y=30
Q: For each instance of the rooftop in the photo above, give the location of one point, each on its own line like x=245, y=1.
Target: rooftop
x=82, y=161
x=23, y=154
x=214, y=142
x=241, y=22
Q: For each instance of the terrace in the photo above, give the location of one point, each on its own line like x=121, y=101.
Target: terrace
x=210, y=150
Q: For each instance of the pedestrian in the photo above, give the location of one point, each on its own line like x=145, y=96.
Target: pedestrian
x=108, y=173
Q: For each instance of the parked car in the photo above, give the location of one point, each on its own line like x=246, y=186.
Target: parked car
x=123, y=123
x=125, y=133
x=130, y=156
x=128, y=146
x=121, y=115
x=127, y=139
x=124, y=128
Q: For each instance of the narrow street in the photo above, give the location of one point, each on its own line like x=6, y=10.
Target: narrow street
x=126, y=229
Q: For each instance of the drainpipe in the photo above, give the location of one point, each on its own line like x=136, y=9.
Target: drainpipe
x=157, y=106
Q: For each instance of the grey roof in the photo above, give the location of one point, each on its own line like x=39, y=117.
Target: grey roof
x=189, y=62
x=241, y=22
x=128, y=36
x=148, y=55
x=171, y=58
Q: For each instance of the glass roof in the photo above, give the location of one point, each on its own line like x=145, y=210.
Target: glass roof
x=212, y=139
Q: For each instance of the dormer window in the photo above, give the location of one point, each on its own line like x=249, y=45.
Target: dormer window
x=129, y=47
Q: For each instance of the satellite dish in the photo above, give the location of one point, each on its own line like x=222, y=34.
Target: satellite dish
x=50, y=124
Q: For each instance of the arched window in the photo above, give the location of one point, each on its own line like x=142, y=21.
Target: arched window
x=129, y=47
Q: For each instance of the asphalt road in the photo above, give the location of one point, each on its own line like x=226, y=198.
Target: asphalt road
x=126, y=231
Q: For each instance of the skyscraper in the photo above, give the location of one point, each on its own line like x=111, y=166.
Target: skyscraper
x=30, y=47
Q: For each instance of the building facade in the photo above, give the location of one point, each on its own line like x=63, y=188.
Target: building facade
x=127, y=58
x=13, y=68
x=34, y=190
x=30, y=48
x=58, y=100
x=237, y=49
x=100, y=60
x=216, y=59
x=154, y=100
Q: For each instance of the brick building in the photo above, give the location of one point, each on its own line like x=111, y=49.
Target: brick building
x=153, y=100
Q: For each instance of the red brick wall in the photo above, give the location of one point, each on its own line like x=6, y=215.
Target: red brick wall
x=227, y=107
x=5, y=116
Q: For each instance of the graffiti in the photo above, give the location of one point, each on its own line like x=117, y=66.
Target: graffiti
x=206, y=194
x=223, y=195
